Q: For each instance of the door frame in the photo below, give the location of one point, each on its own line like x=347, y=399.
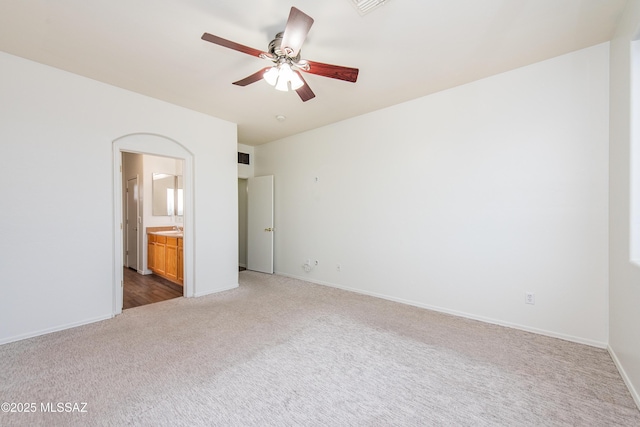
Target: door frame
x=156, y=145
x=242, y=225
x=127, y=257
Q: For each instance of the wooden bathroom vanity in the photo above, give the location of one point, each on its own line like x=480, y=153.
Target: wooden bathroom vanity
x=165, y=253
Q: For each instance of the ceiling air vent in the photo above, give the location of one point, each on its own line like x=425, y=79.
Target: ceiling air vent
x=243, y=158
x=366, y=6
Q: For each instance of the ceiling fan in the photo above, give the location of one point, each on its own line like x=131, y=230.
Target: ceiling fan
x=284, y=52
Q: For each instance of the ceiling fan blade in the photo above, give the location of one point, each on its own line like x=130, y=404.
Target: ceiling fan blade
x=252, y=78
x=304, y=91
x=334, y=71
x=298, y=26
x=231, y=45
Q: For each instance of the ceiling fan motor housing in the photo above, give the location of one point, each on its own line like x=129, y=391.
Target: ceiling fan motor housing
x=275, y=48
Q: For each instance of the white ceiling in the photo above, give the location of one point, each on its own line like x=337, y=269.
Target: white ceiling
x=404, y=49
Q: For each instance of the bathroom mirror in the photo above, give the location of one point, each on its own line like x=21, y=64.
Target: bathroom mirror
x=167, y=195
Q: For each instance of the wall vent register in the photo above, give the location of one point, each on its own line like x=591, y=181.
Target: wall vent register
x=366, y=6
x=243, y=158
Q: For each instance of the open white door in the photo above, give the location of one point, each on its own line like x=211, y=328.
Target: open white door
x=260, y=224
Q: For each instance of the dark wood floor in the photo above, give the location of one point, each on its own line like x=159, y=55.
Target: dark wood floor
x=146, y=289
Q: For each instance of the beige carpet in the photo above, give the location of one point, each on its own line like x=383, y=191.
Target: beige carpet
x=282, y=352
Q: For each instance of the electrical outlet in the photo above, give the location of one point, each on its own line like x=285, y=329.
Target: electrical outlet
x=317, y=262
x=338, y=267
x=529, y=298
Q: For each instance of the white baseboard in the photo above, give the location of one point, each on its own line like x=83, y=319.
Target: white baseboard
x=215, y=291
x=525, y=328
x=54, y=329
x=8, y=340
x=632, y=390
x=625, y=377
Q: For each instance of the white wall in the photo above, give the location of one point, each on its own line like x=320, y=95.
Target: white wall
x=246, y=171
x=56, y=154
x=463, y=200
x=624, y=293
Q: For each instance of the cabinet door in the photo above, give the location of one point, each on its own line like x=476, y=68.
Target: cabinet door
x=171, y=253
x=159, y=259
x=150, y=251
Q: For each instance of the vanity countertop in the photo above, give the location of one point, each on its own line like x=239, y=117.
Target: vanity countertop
x=168, y=233
x=165, y=231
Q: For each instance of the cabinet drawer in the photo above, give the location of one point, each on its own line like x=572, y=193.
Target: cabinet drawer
x=172, y=241
x=179, y=242
x=161, y=239
x=151, y=238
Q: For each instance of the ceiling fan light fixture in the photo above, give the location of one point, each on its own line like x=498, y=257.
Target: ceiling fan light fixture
x=296, y=81
x=283, y=84
x=271, y=75
x=283, y=77
x=285, y=71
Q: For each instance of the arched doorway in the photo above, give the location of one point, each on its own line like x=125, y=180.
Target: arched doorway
x=157, y=145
